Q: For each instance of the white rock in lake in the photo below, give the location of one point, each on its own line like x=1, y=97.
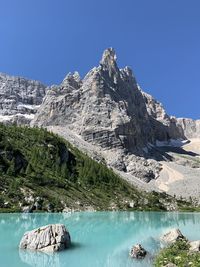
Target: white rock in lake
x=172, y=236
x=49, y=238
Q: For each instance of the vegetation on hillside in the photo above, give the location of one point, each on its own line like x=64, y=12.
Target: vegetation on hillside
x=42, y=171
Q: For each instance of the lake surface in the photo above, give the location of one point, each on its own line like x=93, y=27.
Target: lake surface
x=100, y=239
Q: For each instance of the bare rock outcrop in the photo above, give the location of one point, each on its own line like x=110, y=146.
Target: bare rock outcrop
x=191, y=128
x=49, y=238
x=19, y=99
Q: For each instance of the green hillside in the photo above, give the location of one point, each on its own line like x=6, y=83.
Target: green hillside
x=41, y=171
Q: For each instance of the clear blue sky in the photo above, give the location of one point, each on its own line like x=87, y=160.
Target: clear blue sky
x=158, y=39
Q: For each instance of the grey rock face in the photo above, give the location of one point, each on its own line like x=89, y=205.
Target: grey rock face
x=106, y=108
x=155, y=109
x=165, y=127
x=49, y=238
x=19, y=99
x=191, y=128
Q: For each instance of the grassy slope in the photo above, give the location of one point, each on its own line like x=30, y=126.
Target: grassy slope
x=35, y=163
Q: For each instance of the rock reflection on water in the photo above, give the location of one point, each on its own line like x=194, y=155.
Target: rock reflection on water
x=39, y=259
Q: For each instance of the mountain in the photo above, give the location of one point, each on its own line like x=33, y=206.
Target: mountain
x=107, y=108
x=109, y=117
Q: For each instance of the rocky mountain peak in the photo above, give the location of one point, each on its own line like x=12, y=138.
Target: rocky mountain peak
x=109, y=57
x=107, y=110
x=108, y=62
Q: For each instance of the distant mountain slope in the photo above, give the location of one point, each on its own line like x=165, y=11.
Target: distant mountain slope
x=19, y=98
x=39, y=170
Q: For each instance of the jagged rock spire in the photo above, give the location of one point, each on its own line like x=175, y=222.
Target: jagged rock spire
x=108, y=63
x=109, y=57
x=72, y=79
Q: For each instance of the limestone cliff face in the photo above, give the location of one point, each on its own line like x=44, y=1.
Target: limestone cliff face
x=19, y=98
x=165, y=126
x=106, y=107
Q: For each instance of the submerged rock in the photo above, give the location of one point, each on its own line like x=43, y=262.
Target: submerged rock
x=138, y=252
x=49, y=238
x=172, y=236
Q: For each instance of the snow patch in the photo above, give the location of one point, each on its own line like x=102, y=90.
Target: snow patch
x=10, y=117
x=32, y=107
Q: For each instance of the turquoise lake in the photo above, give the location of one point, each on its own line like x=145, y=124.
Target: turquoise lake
x=99, y=239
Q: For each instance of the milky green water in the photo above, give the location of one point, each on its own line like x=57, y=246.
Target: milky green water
x=99, y=239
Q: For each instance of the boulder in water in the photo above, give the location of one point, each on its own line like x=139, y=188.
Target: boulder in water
x=49, y=238
x=138, y=252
